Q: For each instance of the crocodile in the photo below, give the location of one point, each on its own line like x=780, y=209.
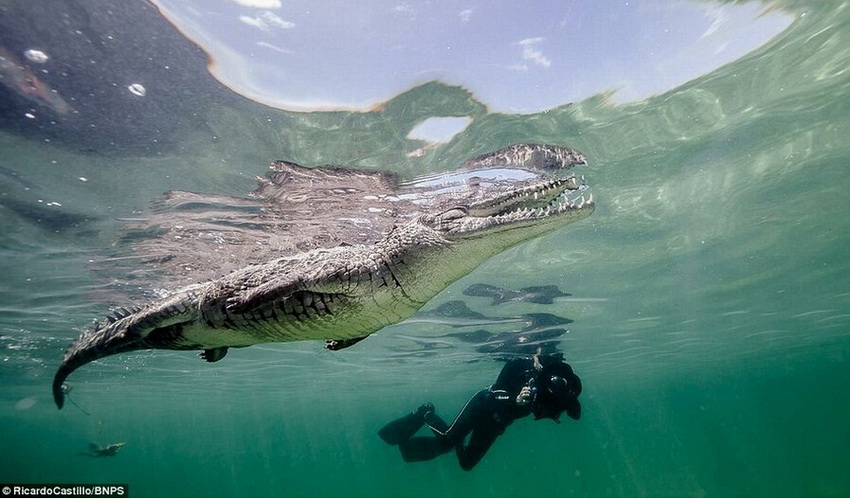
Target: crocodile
x=444, y=227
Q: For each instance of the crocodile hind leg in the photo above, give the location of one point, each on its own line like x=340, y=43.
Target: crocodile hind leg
x=340, y=344
x=213, y=354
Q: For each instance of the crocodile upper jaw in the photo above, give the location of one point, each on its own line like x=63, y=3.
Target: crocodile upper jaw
x=558, y=201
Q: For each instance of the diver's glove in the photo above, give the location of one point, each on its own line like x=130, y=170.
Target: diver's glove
x=525, y=396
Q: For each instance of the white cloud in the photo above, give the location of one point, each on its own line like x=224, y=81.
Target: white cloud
x=259, y=4
x=403, y=7
x=530, y=53
x=465, y=15
x=275, y=48
x=275, y=20
x=266, y=21
x=254, y=21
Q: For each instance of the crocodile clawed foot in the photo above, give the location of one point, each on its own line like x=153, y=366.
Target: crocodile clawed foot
x=213, y=354
x=340, y=344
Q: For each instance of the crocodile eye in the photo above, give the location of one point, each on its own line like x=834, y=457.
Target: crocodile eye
x=454, y=213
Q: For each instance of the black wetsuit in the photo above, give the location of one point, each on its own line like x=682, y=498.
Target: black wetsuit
x=484, y=417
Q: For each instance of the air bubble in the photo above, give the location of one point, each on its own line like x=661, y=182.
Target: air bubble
x=36, y=56
x=137, y=89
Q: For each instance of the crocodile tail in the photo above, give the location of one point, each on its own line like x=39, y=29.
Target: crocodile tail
x=116, y=337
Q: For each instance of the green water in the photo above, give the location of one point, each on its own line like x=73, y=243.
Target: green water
x=711, y=303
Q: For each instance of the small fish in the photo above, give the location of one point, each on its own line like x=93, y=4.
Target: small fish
x=108, y=450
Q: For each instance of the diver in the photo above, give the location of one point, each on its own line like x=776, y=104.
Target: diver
x=542, y=385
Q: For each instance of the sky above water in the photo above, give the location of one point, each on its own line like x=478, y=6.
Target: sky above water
x=517, y=57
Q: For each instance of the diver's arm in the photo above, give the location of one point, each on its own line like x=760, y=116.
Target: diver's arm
x=514, y=375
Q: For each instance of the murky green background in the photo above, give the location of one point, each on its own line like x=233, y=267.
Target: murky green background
x=711, y=303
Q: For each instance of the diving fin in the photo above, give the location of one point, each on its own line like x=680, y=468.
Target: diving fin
x=405, y=427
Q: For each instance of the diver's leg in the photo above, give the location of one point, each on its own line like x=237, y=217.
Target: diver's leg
x=465, y=421
x=406, y=426
x=446, y=437
x=479, y=443
x=478, y=417
x=436, y=423
x=424, y=448
x=427, y=448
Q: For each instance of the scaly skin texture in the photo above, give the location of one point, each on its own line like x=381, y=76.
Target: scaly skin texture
x=345, y=292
